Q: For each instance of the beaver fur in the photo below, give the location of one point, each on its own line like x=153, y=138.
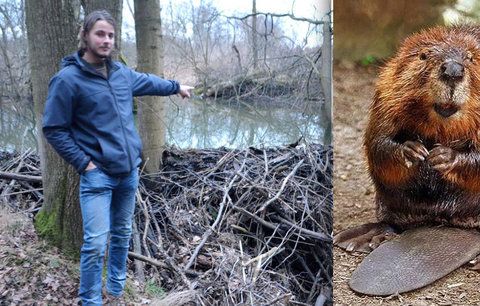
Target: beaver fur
x=422, y=141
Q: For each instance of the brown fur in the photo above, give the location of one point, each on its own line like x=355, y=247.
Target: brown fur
x=445, y=189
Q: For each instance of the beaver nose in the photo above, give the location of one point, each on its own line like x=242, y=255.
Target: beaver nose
x=451, y=71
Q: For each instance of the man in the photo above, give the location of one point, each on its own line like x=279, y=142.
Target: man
x=88, y=119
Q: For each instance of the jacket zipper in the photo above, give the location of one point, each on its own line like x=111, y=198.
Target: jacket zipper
x=121, y=123
x=117, y=110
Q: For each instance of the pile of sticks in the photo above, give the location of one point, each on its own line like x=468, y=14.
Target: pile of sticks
x=221, y=226
x=241, y=226
x=21, y=181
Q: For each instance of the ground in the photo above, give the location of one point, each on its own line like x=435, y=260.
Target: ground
x=35, y=273
x=354, y=205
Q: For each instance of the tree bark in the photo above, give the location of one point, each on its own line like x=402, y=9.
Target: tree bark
x=254, y=35
x=326, y=73
x=52, y=32
x=151, y=110
x=114, y=7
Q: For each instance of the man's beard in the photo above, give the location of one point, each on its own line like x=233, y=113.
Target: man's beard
x=96, y=54
x=102, y=56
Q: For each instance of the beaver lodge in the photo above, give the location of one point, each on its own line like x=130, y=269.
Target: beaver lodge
x=220, y=226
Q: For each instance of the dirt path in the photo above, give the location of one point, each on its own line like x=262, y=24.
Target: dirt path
x=353, y=200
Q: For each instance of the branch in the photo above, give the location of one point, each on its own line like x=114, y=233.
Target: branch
x=20, y=177
x=271, y=253
x=317, y=235
x=149, y=260
x=217, y=220
x=282, y=187
x=157, y=263
x=285, y=297
x=312, y=21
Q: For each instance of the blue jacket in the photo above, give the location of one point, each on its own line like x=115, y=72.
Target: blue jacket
x=89, y=117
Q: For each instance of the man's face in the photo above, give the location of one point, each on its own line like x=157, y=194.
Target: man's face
x=100, y=40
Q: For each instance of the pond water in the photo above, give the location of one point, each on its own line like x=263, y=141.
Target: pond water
x=201, y=124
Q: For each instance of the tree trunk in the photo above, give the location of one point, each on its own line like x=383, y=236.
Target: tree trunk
x=151, y=110
x=114, y=7
x=254, y=35
x=52, y=33
x=326, y=72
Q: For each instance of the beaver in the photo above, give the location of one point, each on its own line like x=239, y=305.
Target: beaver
x=422, y=141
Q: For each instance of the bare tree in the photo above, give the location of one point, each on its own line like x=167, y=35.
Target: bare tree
x=52, y=30
x=151, y=110
x=199, y=37
x=254, y=35
x=14, y=74
x=326, y=71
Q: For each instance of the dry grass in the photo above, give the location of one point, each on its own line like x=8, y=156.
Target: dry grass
x=11, y=222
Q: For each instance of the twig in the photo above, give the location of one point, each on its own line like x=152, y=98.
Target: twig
x=319, y=236
x=282, y=297
x=139, y=266
x=149, y=260
x=256, y=218
x=217, y=220
x=282, y=187
x=260, y=257
x=313, y=21
x=23, y=191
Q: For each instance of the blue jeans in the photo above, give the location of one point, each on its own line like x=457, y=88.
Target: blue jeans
x=107, y=205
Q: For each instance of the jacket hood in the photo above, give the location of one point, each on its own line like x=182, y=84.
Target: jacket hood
x=71, y=59
x=75, y=59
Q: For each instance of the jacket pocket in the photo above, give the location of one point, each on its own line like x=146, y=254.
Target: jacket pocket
x=114, y=154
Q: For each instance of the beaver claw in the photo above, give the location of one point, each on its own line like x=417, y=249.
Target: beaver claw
x=413, y=152
x=443, y=158
x=474, y=264
x=364, y=238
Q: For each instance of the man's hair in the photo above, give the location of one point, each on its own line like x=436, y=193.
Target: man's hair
x=88, y=24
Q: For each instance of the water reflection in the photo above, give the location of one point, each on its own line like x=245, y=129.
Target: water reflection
x=201, y=124
x=206, y=124
x=17, y=132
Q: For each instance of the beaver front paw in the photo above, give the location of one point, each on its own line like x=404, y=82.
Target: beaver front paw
x=413, y=152
x=364, y=238
x=443, y=159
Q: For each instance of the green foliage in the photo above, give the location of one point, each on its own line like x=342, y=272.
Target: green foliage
x=198, y=91
x=129, y=292
x=368, y=60
x=46, y=225
x=153, y=289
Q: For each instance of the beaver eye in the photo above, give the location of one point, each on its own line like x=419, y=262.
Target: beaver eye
x=423, y=56
x=469, y=56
